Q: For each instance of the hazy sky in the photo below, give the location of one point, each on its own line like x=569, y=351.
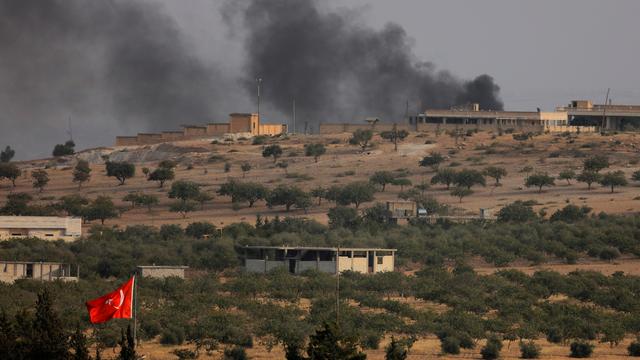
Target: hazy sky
x=541, y=53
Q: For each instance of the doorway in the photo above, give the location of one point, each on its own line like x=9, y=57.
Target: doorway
x=292, y=266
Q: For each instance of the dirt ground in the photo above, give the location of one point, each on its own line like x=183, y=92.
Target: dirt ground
x=546, y=153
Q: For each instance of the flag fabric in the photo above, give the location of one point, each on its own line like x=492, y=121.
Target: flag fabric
x=115, y=305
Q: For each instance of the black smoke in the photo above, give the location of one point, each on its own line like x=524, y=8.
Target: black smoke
x=110, y=65
x=340, y=70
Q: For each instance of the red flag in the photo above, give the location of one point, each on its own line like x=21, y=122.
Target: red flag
x=115, y=305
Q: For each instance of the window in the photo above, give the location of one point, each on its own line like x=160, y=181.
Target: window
x=48, y=234
x=380, y=260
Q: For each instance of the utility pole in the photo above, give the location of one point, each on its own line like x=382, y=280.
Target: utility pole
x=259, y=85
x=294, y=116
x=395, y=136
x=69, y=131
x=338, y=287
x=603, y=124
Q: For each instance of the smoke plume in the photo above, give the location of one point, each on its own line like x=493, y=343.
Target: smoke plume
x=113, y=65
x=340, y=70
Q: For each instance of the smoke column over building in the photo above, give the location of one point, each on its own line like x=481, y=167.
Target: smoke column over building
x=340, y=70
x=113, y=65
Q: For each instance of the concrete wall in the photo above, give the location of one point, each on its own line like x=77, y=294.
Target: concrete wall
x=388, y=264
x=162, y=272
x=172, y=135
x=10, y=272
x=217, y=129
x=272, y=129
x=194, y=131
x=43, y=227
x=126, y=140
x=146, y=138
x=242, y=123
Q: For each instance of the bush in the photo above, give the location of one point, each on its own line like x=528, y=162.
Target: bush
x=172, y=336
x=580, y=349
x=634, y=348
x=450, y=345
x=235, y=353
x=200, y=230
x=492, y=349
x=529, y=350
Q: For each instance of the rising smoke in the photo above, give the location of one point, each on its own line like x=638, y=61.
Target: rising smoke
x=112, y=65
x=340, y=70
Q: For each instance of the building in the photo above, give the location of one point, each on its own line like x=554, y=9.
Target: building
x=402, y=211
x=610, y=116
x=247, y=124
x=262, y=259
x=162, y=271
x=11, y=271
x=43, y=227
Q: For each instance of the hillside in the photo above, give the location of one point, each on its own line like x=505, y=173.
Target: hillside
x=203, y=162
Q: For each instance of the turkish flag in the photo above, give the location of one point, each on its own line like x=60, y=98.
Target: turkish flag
x=115, y=305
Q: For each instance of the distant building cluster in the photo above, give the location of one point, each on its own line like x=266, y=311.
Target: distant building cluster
x=239, y=123
x=42, y=227
x=578, y=116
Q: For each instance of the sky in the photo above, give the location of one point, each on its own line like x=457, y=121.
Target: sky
x=541, y=53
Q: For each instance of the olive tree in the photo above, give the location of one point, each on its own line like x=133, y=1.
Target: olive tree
x=613, y=179
x=539, y=180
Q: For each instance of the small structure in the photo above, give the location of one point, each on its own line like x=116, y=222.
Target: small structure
x=162, y=271
x=11, y=271
x=402, y=211
x=42, y=227
x=585, y=113
x=262, y=259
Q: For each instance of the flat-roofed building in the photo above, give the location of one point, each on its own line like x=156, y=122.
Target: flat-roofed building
x=262, y=259
x=11, y=271
x=162, y=271
x=43, y=227
x=610, y=116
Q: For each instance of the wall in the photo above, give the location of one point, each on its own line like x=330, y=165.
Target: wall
x=217, y=129
x=272, y=129
x=145, y=139
x=9, y=272
x=387, y=264
x=194, y=131
x=162, y=272
x=126, y=140
x=172, y=135
x=66, y=228
x=240, y=123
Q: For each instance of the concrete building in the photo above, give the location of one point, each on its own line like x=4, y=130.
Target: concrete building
x=262, y=259
x=162, y=271
x=239, y=123
x=610, y=116
x=43, y=227
x=11, y=271
x=402, y=211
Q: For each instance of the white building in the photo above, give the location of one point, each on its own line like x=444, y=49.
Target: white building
x=11, y=271
x=43, y=227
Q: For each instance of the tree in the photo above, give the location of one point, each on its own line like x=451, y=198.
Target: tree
x=517, y=211
x=398, y=349
x=613, y=179
x=636, y=175
x=589, y=177
x=529, y=350
x=64, y=149
x=422, y=187
x=382, y=178
x=496, y=173
x=202, y=198
x=272, y=151
x=147, y=200
x=539, y=180
x=200, y=230
x=17, y=204
x=240, y=192
x=343, y=217
x=491, y=350
x=356, y=193
x=7, y=154
x=167, y=164
x=132, y=198
x=468, y=178
x=235, y=353
x=634, y=348
x=81, y=172
x=394, y=136
x=73, y=204
x=315, y=150
x=184, y=190
x=444, y=176
x=283, y=165
x=581, y=349
x=570, y=213
x=183, y=207
x=120, y=170
x=8, y=337
x=567, y=175
x=362, y=138
x=461, y=192
x=127, y=346
x=161, y=175
x=595, y=163
x=102, y=208
x=10, y=171
x=48, y=339
x=78, y=343
x=40, y=179
x=285, y=195
x=245, y=167
x=402, y=182
x=327, y=343
x=432, y=160
x=319, y=193
x=227, y=167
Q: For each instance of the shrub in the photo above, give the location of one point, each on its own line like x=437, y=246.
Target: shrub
x=529, y=350
x=172, y=336
x=235, y=353
x=581, y=349
x=200, y=230
x=634, y=348
x=450, y=345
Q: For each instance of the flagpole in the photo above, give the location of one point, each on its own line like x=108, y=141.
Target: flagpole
x=134, y=303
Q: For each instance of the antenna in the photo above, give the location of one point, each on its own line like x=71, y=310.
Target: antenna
x=604, y=112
